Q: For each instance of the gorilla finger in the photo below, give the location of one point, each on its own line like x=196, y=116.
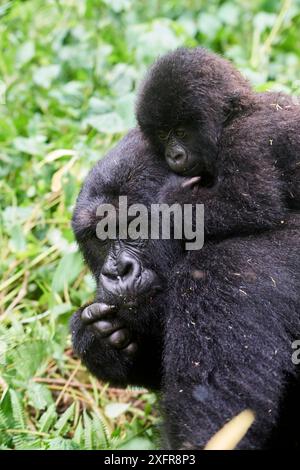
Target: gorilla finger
x=119, y=339
x=96, y=311
x=106, y=328
x=131, y=349
x=191, y=182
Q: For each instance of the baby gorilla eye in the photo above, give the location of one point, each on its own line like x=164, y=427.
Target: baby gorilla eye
x=163, y=135
x=180, y=133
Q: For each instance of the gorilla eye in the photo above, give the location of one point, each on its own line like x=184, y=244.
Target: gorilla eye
x=180, y=133
x=163, y=135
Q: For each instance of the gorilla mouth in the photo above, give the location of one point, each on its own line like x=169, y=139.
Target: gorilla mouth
x=134, y=297
x=205, y=178
x=130, y=292
x=195, y=170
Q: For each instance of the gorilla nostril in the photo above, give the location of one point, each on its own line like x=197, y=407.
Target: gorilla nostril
x=124, y=269
x=109, y=273
x=127, y=266
x=179, y=157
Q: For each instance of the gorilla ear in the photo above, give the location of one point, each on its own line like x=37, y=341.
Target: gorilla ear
x=235, y=104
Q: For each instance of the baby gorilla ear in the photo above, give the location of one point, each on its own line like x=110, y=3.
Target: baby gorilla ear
x=236, y=103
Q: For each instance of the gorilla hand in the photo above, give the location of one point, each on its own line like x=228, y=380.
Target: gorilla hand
x=185, y=190
x=109, y=327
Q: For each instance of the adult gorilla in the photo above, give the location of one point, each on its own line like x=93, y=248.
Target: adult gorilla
x=217, y=338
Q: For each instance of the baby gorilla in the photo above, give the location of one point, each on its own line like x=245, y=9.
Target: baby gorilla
x=202, y=116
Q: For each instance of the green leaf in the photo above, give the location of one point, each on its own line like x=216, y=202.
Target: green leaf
x=34, y=145
x=17, y=409
x=17, y=242
x=109, y=123
x=263, y=20
x=229, y=13
x=118, y=5
x=28, y=359
x=209, y=24
x=60, y=443
x=88, y=431
x=39, y=395
x=47, y=419
x=25, y=53
x=100, y=433
x=44, y=76
x=62, y=424
x=125, y=108
x=137, y=443
x=67, y=271
x=78, y=437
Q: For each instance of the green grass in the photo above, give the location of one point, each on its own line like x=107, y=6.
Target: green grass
x=68, y=73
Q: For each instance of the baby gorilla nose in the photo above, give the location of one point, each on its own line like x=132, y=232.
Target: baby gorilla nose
x=177, y=159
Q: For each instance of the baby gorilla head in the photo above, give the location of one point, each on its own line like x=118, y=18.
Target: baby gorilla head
x=183, y=104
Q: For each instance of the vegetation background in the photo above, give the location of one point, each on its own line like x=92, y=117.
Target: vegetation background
x=68, y=74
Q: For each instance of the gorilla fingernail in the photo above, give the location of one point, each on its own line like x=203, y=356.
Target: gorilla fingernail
x=95, y=311
x=191, y=182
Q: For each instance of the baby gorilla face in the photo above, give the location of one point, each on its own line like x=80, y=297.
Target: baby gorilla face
x=184, y=155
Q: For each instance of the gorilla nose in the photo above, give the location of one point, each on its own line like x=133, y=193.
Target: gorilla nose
x=124, y=270
x=177, y=160
x=127, y=267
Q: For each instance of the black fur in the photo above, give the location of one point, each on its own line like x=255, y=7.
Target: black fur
x=233, y=312
x=218, y=339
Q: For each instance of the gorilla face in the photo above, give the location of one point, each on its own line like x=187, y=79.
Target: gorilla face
x=129, y=274
x=120, y=270
x=185, y=149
